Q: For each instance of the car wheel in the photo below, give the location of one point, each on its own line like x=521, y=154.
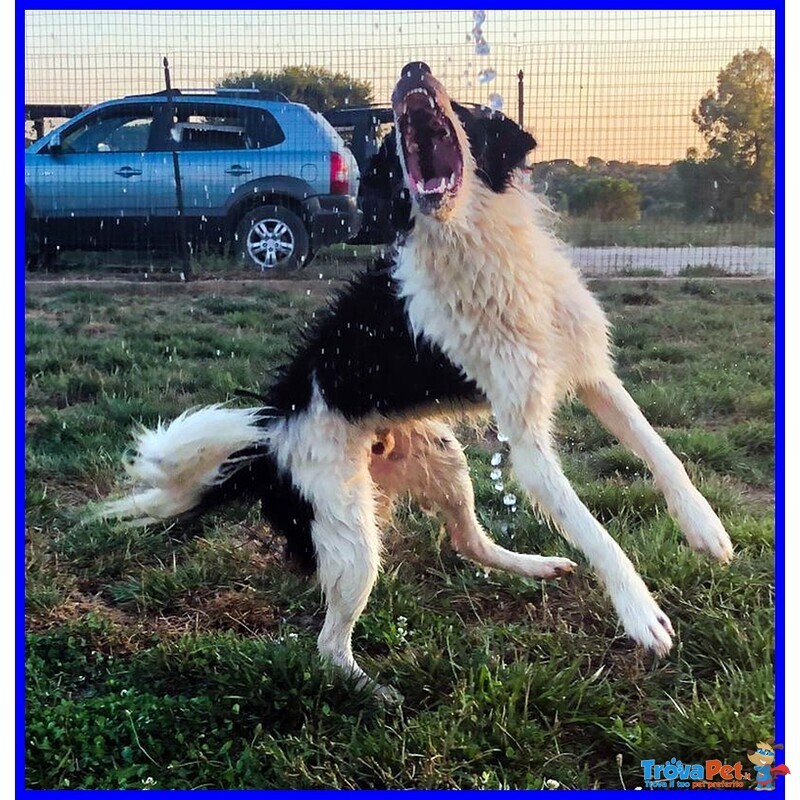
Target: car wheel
x=272, y=237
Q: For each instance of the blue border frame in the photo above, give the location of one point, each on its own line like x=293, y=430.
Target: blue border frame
x=780, y=378
x=19, y=394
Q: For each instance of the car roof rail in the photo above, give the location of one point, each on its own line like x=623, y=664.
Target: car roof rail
x=162, y=93
x=251, y=93
x=261, y=94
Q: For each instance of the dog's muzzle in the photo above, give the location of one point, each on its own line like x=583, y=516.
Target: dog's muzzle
x=429, y=148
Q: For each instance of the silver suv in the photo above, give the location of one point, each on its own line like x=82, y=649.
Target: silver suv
x=272, y=179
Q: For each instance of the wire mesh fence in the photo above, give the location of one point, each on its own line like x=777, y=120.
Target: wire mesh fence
x=655, y=133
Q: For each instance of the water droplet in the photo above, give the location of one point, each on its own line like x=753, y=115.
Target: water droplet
x=495, y=101
x=501, y=437
x=497, y=459
x=510, y=500
x=499, y=487
x=486, y=75
x=495, y=474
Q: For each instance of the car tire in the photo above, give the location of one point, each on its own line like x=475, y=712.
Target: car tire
x=272, y=238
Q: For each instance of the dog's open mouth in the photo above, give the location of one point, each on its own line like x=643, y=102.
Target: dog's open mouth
x=432, y=154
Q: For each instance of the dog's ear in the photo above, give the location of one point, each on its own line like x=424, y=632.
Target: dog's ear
x=498, y=145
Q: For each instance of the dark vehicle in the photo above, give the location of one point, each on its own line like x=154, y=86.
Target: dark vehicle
x=364, y=130
x=271, y=178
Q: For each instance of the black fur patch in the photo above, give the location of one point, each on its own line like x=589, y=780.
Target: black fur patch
x=282, y=505
x=364, y=358
x=497, y=143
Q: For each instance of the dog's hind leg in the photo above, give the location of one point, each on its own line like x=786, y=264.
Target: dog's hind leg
x=427, y=462
x=608, y=400
x=329, y=463
x=537, y=468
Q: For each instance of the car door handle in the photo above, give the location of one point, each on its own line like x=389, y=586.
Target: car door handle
x=237, y=169
x=127, y=172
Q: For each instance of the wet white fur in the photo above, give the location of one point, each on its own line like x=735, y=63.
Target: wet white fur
x=174, y=464
x=492, y=287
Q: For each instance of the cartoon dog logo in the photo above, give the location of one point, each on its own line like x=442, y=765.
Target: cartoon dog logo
x=762, y=758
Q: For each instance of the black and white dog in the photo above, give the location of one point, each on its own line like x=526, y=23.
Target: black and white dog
x=478, y=307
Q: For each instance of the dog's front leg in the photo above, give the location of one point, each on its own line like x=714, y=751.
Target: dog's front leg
x=617, y=411
x=538, y=470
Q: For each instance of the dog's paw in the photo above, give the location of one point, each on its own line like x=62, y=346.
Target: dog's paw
x=387, y=695
x=702, y=528
x=716, y=543
x=710, y=537
x=545, y=568
x=642, y=618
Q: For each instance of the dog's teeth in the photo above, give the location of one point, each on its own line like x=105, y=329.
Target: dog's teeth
x=421, y=186
x=430, y=100
x=452, y=182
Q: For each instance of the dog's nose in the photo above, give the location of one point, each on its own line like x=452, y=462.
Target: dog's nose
x=415, y=69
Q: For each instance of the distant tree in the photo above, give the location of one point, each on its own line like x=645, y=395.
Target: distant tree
x=317, y=87
x=737, y=120
x=606, y=199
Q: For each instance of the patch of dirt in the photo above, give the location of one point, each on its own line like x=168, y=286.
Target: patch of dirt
x=127, y=632
x=759, y=495
x=313, y=287
x=98, y=328
x=51, y=318
x=239, y=611
x=33, y=418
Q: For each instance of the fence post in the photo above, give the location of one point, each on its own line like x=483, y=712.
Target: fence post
x=176, y=169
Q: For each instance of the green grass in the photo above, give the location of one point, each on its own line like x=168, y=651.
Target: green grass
x=173, y=657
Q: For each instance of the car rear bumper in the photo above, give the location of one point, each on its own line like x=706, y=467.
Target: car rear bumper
x=332, y=219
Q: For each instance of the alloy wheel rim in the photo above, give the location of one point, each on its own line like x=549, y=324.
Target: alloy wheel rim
x=270, y=243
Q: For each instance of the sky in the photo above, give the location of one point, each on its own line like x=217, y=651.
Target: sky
x=612, y=84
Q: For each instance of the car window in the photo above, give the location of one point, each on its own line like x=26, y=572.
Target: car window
x=206, y=126
x=114, y=130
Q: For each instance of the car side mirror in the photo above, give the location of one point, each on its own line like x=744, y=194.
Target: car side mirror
x=54, y=146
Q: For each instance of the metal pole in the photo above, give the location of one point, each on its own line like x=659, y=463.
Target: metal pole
x=185, y=253
x=520, y=97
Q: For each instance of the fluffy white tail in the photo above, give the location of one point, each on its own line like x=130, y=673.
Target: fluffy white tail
x=175, y=463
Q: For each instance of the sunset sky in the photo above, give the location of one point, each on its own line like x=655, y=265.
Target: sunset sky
x=614, y=84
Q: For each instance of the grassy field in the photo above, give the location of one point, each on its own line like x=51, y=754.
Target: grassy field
x=176, y=658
